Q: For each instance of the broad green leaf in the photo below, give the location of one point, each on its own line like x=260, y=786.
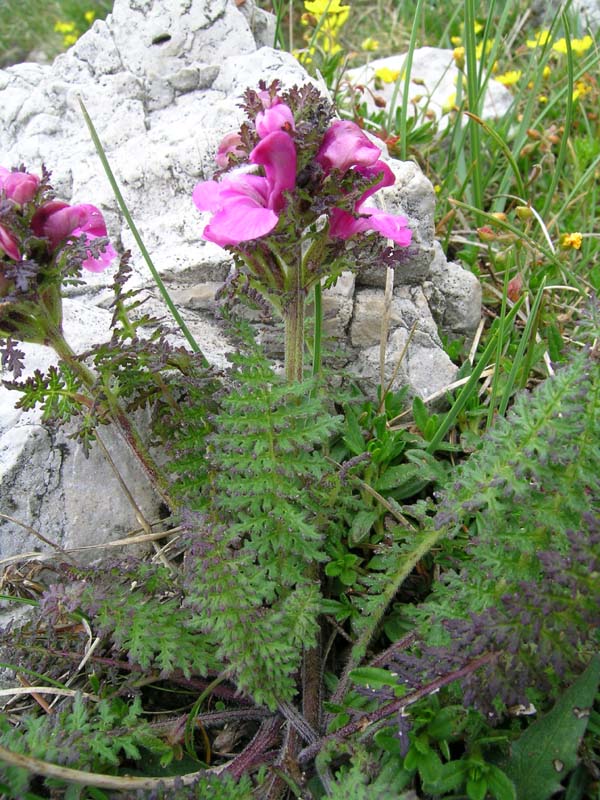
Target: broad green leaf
x=373, y=677
x=547, y=751
x=361, y=526
x=353, y=437
x=499, y=784
x=420, y=413
x=397, y=476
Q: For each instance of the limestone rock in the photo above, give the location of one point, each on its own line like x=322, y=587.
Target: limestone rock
x=162, y=81
x=454, y=296
x=434, y=76
x=47, y=483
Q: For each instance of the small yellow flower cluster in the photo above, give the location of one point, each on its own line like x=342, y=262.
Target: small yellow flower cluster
x=69, y=32
x=509, y=78
x=326, y=18
x=578, y=46
x=539, y=40
x=369, y=45
x=571, y=241
x=387, y=75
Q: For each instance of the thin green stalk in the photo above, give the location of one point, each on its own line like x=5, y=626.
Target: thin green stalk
x=562, y=151
x=527, y=337
x=474, y=100
x=501, y=337
x=469, y=387
x=504, y=147
x=318, y=329
x=132, y=226
x=278, y=7
x=408, y=61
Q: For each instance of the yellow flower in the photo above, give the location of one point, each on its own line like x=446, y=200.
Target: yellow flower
x=581, y=89
x=542, y=98
x=459, y=57
x=437, y=188
x=450, y=104
x=540, y=39
x=455, y=40
x=320, y=7
x=305, y=57
x=488, y=46
x=578, y=46
x=64, y=27
x=546, y=72
x=571, y=241
x=387, y=75
x=509, y=78
x=89, y=17
x=69, y=39
x=369, y=44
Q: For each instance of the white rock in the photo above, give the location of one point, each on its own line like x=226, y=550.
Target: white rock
x=454, y=296
x=47, y=483
x=437, y=75
x=162, y=81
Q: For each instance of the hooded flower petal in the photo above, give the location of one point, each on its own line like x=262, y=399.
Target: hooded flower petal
x=277, y=154
x=231, y=145
x=58, y=221
x=240, y=207
x=345, y=145
x=245, y=206
x=392, y=226
x=275, y=118
x=378, y=168
x=343, y=225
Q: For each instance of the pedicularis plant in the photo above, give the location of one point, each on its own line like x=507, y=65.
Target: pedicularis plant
x=299, y=622
x=306, y=217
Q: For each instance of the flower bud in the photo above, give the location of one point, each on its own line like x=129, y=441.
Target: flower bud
x=20, y=187
x=524, y=212
x=8, y=244
x=486, y=234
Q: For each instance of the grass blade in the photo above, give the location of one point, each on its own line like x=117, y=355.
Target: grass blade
x=136, y=234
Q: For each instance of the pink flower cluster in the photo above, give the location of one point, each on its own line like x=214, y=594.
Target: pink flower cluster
x=246, y=206
x=54, y=220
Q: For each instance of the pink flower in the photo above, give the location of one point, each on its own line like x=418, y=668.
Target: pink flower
x=58, y=221
x=18, y=186
x=275, y=117
x=345, y=145
x=343, y=224
x=245, y=207
x=8, y=244
x=230, y=145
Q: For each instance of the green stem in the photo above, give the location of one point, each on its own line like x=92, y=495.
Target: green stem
x=56, y=340
x=318, y=324
x=293, y=317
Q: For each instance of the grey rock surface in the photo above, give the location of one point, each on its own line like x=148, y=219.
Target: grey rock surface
x=162, y=80
x=586, y=14
x=433, y=76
